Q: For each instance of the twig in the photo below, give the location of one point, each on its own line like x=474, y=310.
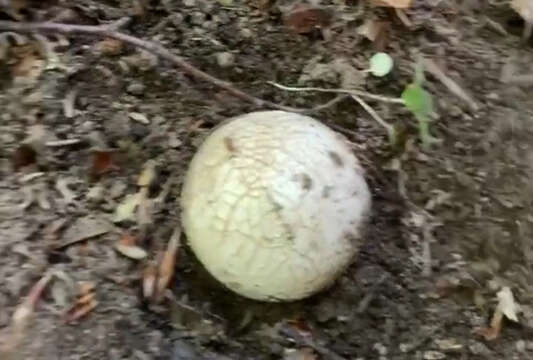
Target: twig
x=365, y=301
x=403, y=18
x=59, y=143
x=307, y=341
x=375, y=115
x=152, y=47
x=330, y=103
x=520, y=80
x=454, y=88
x=338, y=91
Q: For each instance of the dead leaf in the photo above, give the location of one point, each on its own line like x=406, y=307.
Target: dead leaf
x=507, y=304
x=127, y=239
x=506, y=307
x=300, y=325
x=398, y=4
x=67, y=194
x=126, y=246
x=261, y=5
x=149, y=280
x=138, y=9
x=108, y=47
x=148, y=174
x=166, y=268
x=26, y=62
x=24, y=311
x=303, y=18
x=21, y=319
x=23, y=156
x=373, y=30
x=82, y=229
x=305, y=353
x=102, y=162
x=84, y=304
x=144, y=210
x=126, y=209
x=139, y=117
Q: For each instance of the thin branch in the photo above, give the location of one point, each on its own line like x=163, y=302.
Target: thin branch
x=339, y=91
x=152, y=47
x=454, y=87
x=375, y=115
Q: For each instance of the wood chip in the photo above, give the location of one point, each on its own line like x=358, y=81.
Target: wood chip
x=83, y=229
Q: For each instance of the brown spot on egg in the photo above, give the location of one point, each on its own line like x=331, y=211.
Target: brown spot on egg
x=326, y=191
x=307, y=182
x=230, y=145
x=336, y=158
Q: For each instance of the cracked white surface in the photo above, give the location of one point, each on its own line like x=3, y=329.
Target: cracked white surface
x=273, y=205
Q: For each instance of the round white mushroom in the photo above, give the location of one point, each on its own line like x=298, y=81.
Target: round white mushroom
x=274, y=205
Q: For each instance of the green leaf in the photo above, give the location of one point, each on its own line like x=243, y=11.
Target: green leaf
x=381, y=64
x=420, y=103
x=418, y=100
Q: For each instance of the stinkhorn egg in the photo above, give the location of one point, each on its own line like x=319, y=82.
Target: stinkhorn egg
x=274, y=205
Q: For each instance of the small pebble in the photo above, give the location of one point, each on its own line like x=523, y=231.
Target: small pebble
x=189, y=3
x=433, y=355
x=139, y=117
x=521, y=346
x=95, y=194
x=197, y=18
x=478, y=348
x=173, y=140
x=184, y=351
x=381, y=349
x=246, y=33
x=135, y=88
x=225, y=59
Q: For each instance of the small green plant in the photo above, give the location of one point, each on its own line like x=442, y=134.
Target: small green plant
x=417, y=100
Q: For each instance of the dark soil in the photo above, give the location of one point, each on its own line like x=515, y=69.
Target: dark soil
x=450, y=225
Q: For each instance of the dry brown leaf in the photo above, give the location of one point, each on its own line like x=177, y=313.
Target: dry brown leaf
x=127, y=239
x=131, y=251
x=398, y=4
x=507, y=307
x=375, y=31
x=126, y=245
x=138, y=9
x=166, y=268
x=493, y=331
x=149, y=280
x=84, y=304
x=108, y=47
x=25, y=310
x=102, y=162
x=261, y=5
x=303, y=18
x=23, y=156
x=86, y=287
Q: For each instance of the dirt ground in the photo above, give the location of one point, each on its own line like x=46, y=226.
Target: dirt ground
x=450, y=227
